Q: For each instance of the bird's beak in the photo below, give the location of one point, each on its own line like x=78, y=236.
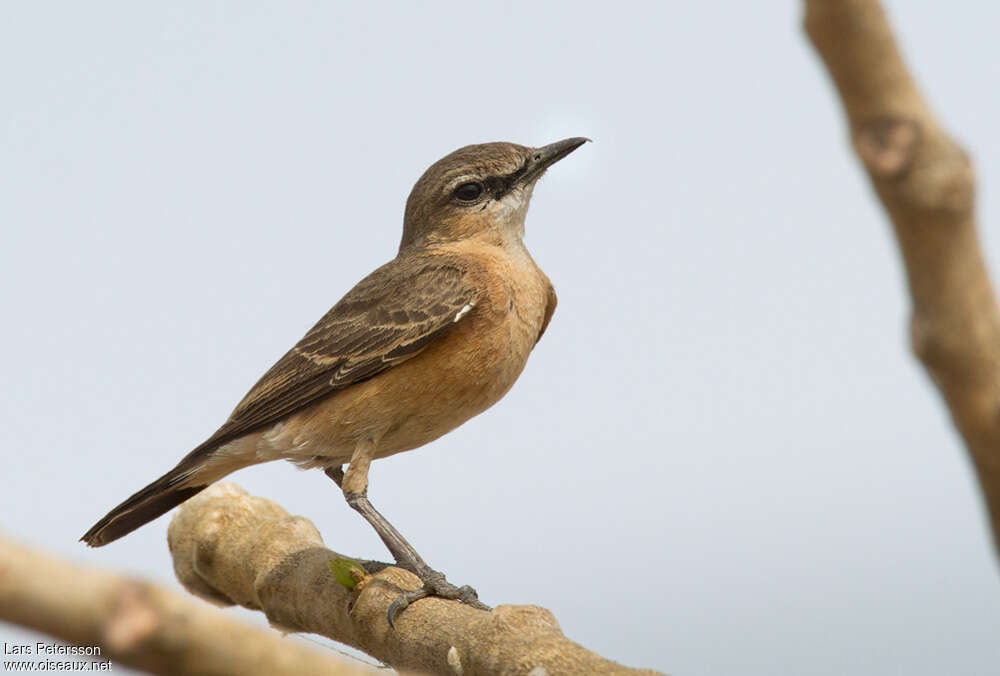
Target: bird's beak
x=546, y=156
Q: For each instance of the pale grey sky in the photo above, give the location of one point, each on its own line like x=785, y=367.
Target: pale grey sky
x=721, y=457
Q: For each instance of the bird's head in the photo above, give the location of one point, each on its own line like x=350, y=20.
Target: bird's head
x=478, y=190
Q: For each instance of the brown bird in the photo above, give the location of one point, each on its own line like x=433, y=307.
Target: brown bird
x=427, y=341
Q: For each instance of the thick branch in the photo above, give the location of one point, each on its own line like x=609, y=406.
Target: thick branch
x=231, y=547
x=925, y=182
x=142, y=625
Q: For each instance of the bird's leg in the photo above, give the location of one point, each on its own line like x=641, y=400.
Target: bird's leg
x=402, y=551
x=354, y=484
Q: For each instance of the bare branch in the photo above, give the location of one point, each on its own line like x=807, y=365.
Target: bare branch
x=142, y=625
x=925, y=181
x=232, y=547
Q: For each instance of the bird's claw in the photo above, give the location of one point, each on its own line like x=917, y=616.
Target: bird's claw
x=435, y=585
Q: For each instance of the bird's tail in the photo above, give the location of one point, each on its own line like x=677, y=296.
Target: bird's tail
x=157, y=498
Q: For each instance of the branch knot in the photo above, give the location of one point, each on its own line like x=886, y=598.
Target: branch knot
x=887, y=145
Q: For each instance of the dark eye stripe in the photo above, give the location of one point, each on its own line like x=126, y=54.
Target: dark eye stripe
x=501, y=185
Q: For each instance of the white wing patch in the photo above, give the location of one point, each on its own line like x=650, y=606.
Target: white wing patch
x=464, y=311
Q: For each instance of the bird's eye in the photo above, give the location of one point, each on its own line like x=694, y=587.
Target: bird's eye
x=469, y=192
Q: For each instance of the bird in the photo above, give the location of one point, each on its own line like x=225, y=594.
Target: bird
x=424, y=343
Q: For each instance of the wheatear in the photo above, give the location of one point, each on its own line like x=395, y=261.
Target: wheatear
x=427, y=341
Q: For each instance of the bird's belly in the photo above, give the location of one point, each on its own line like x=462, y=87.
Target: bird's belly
x=480, y=370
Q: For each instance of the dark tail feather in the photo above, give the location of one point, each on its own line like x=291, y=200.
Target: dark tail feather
x=155, y=499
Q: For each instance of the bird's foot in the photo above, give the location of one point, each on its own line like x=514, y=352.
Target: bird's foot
x=435, y=584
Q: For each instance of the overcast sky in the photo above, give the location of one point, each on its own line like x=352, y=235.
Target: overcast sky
x=720, y=459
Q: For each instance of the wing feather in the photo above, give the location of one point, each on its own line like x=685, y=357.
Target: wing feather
x=389, y=317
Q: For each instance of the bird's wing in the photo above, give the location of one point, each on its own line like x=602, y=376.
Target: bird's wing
x=389, y=317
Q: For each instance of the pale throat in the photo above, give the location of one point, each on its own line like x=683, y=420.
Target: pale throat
x=508, y=213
